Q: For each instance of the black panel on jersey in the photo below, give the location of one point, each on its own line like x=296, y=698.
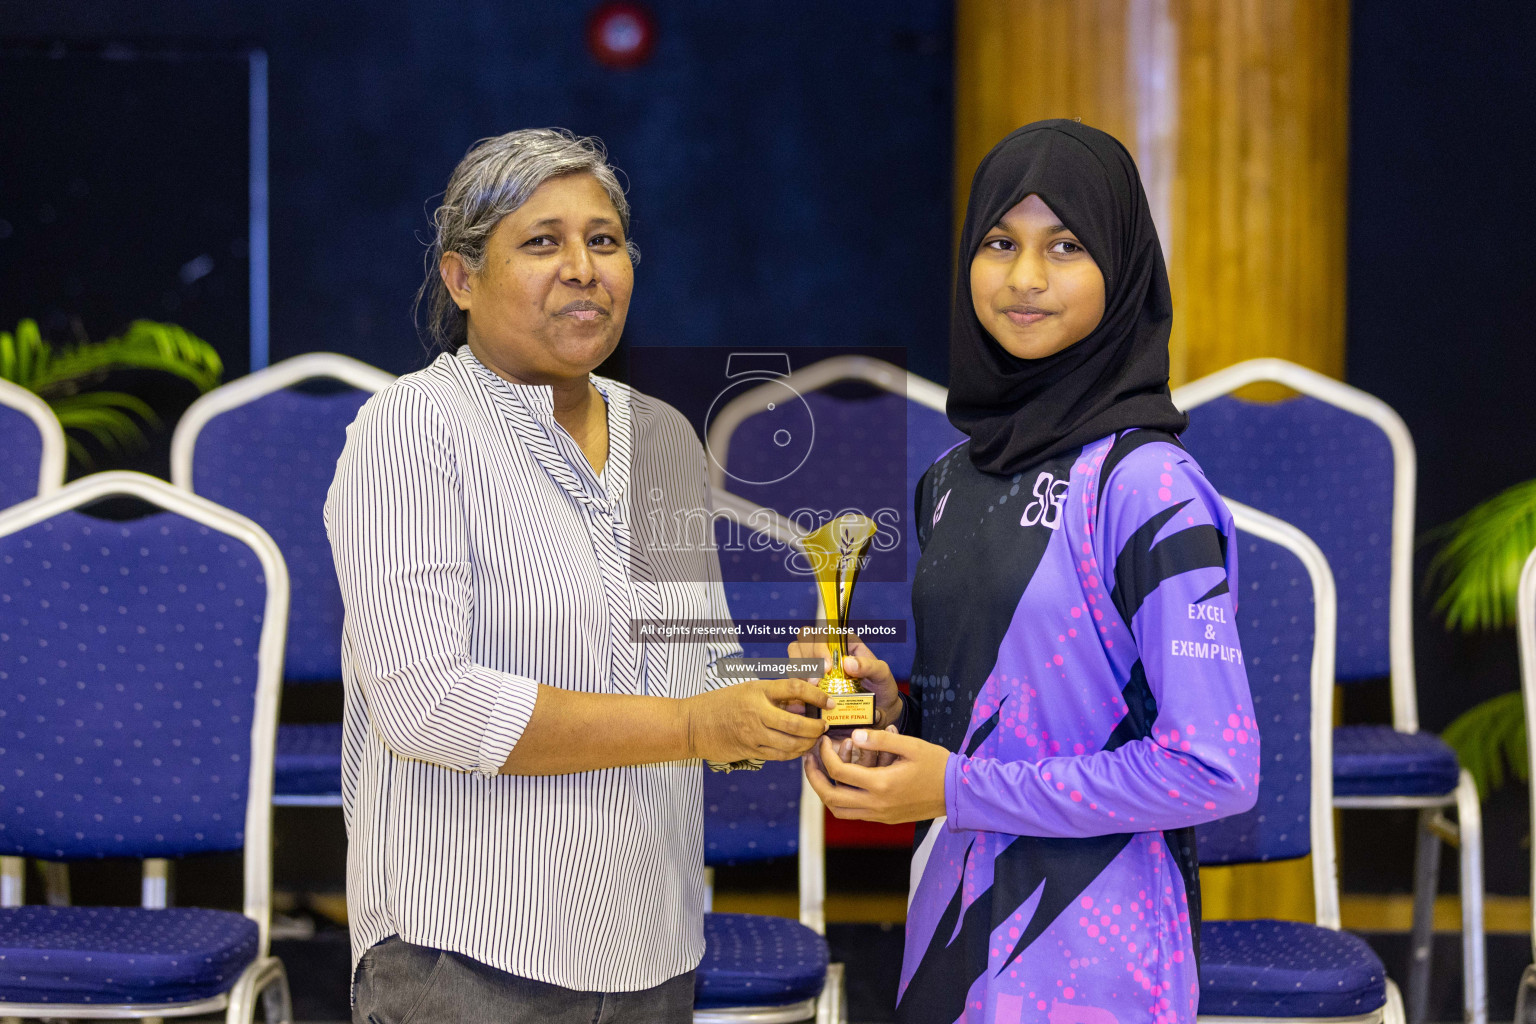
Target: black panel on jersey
x=958, y=638
x=1140, y=710
x=983, y=731
x=1181, y=844
x=1142, y=566
x=1220, y=588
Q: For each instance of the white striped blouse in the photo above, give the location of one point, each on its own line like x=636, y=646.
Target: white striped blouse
x=480, y=555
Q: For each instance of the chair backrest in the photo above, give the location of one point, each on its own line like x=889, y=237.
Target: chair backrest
x=761, y=815
x=753, y=543
x=267, y=450
x=142, y=661
x=848, y=465
x=32, y=457
x=1526, y=603
x=1340, y=465
x=1286, y=612
x=752, y=816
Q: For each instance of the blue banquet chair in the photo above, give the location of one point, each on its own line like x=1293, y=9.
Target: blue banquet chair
x=32, y=462
x=32, y=458
x=758, y=587
x=1340, y=465
x=1525, y=1000
x=759, y=969
x=848, y=463
x=267, y=449
x=1286, y=970
x=143, y=661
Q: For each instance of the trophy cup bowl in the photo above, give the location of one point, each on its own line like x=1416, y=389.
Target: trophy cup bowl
x=836, y=552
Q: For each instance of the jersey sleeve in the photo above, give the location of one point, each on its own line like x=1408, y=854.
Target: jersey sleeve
x=1190, y=752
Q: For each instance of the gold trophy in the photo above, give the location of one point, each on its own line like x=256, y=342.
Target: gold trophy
x=836, y=552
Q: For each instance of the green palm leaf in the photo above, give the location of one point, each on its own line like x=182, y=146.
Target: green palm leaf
x=145, y=345
x=23, y=355
x=1489, y=740
x=105, y=416
x=1478, y=569
x=113, y=419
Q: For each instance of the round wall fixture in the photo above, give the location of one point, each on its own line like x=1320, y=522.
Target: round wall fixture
x=621, y=34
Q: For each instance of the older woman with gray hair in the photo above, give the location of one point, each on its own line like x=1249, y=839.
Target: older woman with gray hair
x=521, y=781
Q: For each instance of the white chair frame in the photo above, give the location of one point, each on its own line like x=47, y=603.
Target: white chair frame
x=1325, y=878
x=264, y=978
x=831, y=1006
x=248, y=389
x=1525, y=999
x=255, y=385
x=877, y=372
x=1434, y=827
x=50, y=472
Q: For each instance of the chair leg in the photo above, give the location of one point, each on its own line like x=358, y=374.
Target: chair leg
x=13, y=877
x=155, y=887
x=267, y=981
x=832, y=1004
x=55, y=882
x=13, y=891
x=277, y=1001
x=1474, y=973
x=1426, y=877
x=1525, y=998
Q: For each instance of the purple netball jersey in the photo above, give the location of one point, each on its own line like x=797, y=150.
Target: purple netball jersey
x=1076, y=649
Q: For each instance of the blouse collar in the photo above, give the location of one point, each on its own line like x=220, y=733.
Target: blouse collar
x=538, y=402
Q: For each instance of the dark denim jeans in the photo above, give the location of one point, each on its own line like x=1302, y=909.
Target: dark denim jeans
x=401, y=983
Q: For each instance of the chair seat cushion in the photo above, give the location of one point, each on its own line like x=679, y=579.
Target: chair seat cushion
x=1287, y=969
x=751, y=960
x=307, y=761
x=1377, y=760
x=121, y=954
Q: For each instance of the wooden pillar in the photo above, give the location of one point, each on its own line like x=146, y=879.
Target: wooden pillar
x=1018, y=61
x=1237, y=113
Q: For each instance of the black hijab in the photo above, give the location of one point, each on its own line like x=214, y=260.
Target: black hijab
x=1021, y=411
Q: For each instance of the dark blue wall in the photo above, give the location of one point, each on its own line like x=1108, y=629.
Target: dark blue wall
x=1442, y=299
x=790, y=164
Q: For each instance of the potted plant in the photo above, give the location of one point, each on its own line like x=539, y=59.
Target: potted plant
x=1477, y=571
x=67, y=378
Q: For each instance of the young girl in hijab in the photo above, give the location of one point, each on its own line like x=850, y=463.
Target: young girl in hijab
x=1079, y=698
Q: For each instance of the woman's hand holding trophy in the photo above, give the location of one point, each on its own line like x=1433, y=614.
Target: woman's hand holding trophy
x=870, y=673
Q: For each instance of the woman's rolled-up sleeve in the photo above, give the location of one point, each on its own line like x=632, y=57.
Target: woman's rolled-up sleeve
x=397, y=526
